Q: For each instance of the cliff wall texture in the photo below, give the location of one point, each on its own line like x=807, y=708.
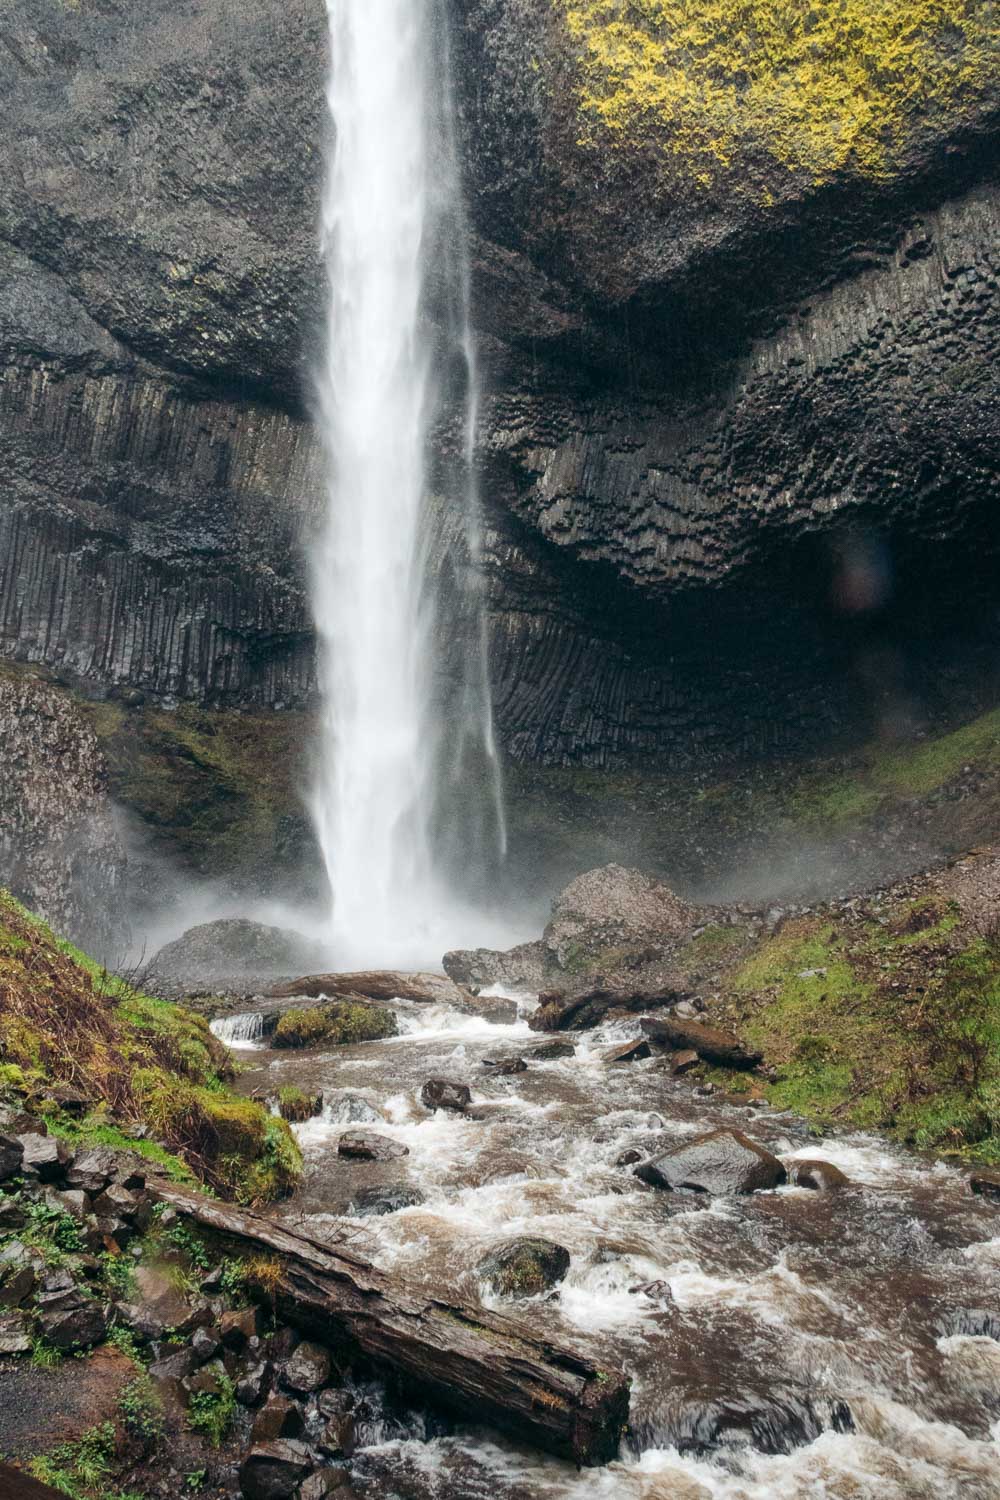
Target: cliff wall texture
x=739, y=332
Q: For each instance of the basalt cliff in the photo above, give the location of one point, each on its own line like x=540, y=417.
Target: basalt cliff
x=737, y=305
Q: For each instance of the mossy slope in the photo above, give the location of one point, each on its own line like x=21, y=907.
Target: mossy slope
x=885, y=1013
x=138, y=1061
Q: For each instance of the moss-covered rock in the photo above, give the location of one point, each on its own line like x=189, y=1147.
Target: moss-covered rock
x=156, y=1078
x=523, y=1268
x=335, y=1025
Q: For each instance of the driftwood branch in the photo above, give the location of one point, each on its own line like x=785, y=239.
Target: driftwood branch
x=487, y=1367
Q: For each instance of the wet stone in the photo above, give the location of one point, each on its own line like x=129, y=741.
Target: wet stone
x=820, y=1176
x=351, y=1109
x=628, y=1051
x=254, y=1384
x=15, y=1337
x=504, y=1067
x=273, y=1471
x=523, y=1267
x=361, y=1145
x=986, y=1185
x=444, y=1093
x=44, y=1157
x=11, y=1155
x=551, y=1051
x=722, y=1162
x=278, y=1418
x=683, y=1062
x=307, y=1369
x=374, y=1202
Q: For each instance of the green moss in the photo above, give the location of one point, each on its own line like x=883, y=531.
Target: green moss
x=891, y=1024
x=334, y=1025
x=295, y=1104
x=815, y=87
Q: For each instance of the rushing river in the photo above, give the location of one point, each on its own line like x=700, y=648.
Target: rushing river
x=844, y=1344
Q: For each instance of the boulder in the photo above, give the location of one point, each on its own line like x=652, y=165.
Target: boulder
x=986, y=1185
x=820, y=1176
x=43, y=1156
x=230, y=948
x=12, y=1215
x=551, y=1051
x=723, y=1162
x=444, y=1093
x=273, y=1471
x=718, y=1047
x=523, y=1267
x=504, y=1067
x=523, y=968
x=339, y=1437
x=350, y=1109
x=307, y=1369
x=498, y=1010
x=627, y=1051
x=238, y=1327
x=73, y=1201
x=204, y=1345
x=254, y=1384
x=326, y=1482
x=374, y=1202
x=92, y=1169
x=363, y=1145
x=341, y=1023
x=11, y=1156
x=68, y=1321
x=15, y=1336
x=278, y=1418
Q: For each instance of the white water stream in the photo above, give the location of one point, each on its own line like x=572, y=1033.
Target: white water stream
x=398, y=826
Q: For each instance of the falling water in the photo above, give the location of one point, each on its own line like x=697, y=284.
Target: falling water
x=399, y=358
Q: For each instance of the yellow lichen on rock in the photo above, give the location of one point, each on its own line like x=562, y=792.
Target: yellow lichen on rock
x=814, y=86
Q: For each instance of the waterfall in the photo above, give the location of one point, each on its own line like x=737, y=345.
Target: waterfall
x=243, y=1030
x=406, y=798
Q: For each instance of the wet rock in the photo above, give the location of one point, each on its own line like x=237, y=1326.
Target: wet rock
x=43, y=1156
x=73, y=1201
x=443, y=1093
x=551, y=1051
x=338, y=1024
x=628, y=1158
x=628, y=1051
x=986, y=1185
x=820, y=1176
x=656, y=1291
x=680, y=1063
x=19, y=1272
x=722, y=1162
x=523, y=1267
x=362, y=1145
x=237, y=1328
x=176, y=1366
x=161, y=1296
x=141, y=1320
x=11, y=1155
x=339, y=1437
x=351, y=1109
x=307, y=1369
x=278, y=1418
x=204, y=1345
x=498, y=1010
x=69, y=1322
x=372, y=1203
x=325, y=1482
x=92, y=1170
x=580, y=1009
x=231, y=947
x=15, y=1337
x=376, y=984
x=272, y=1471
x=718, y=1047
x=12, y=1216
x=211, y=1284
x=297, y=1106
x=116, y=1202
x=254, y=1384
x=523, y=968
x=504, y=1067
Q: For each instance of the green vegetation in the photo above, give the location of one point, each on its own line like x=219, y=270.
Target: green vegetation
x=295, y=1104
x=885, y=1019
x=82, y=1470
x=141, y=1062
x=212, y=1412
x=141, y=1410
x=334, y=1025
x=815, y=87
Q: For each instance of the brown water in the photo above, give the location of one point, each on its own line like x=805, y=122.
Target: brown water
x=843, y=1346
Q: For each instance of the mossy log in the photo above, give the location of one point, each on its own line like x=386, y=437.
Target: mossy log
x=489, y=1368
x=579, y=1011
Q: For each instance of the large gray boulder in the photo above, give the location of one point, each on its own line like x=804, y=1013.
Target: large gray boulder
x=724, y=1162
x=232, y=948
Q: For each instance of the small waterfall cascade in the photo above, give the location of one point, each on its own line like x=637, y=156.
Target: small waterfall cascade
x=406, y=799
x=243, y=1030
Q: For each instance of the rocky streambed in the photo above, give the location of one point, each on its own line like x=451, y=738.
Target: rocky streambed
x=832, y=1331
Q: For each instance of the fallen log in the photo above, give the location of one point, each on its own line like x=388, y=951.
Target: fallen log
x=487, y=1367
x=376, y=984
x=558, y=1011
x=713, y=1046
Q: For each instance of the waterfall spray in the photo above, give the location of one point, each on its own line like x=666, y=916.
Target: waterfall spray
x=405, y=733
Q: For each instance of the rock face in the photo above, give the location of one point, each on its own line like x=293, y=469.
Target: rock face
x=694, y=397
x=60, y=850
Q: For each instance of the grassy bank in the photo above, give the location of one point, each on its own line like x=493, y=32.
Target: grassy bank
x=144, y=1073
